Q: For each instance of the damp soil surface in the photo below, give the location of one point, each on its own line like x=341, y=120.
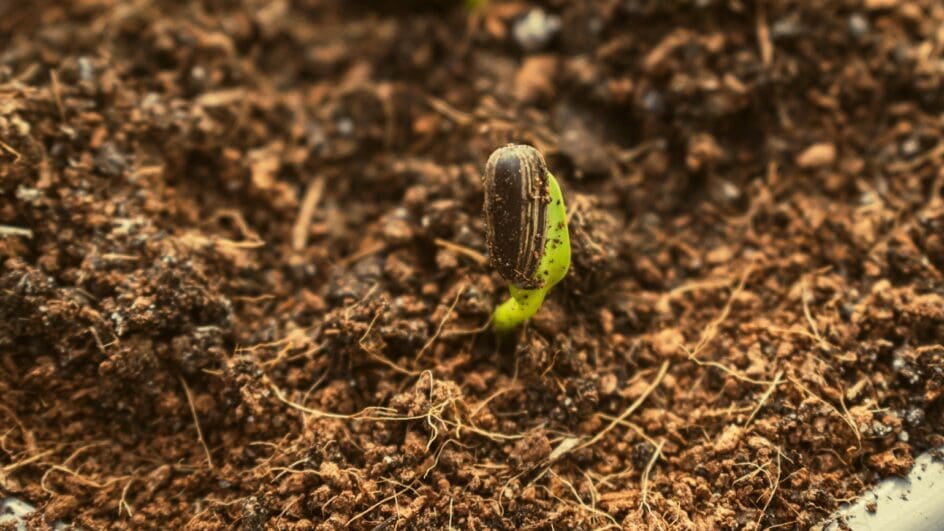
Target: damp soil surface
x=243, y=282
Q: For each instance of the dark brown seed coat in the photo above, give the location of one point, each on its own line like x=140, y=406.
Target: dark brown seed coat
x=516, y=199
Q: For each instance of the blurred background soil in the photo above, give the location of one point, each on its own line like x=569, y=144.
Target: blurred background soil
x=243, y=281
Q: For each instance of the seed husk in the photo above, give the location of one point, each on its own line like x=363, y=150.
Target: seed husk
x=516, y=199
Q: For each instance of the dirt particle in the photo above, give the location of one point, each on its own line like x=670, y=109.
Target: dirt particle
x=60, y=507
x=534, y=81
x=729, y=439
x=536, y=29
x=668, y=343
x=817, y=156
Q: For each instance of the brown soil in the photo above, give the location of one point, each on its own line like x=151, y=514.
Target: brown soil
x=241, y=278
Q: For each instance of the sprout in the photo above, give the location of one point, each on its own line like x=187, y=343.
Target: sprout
x=526, y=229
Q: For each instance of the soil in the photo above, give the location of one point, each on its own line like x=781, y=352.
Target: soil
x=243, y=282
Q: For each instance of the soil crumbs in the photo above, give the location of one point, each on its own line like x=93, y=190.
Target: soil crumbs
x=242, y=279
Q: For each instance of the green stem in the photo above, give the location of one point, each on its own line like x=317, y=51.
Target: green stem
x=519, y=308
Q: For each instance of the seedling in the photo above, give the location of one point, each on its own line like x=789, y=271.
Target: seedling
x=526, y=231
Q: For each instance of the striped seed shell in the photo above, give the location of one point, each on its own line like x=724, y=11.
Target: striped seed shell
x=516, y=199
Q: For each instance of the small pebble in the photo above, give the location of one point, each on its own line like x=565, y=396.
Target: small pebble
x=858, y=25
x=536, y=29
x=915, y=416
x=86, y=69
x=653, y=102
x=817, y=156
x=345, y=126
x=110, y=161
x=910, y=146
x=26, y=194
x=13, y=512
x=785, y=28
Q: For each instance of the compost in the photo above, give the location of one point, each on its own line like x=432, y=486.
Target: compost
x=244, y=281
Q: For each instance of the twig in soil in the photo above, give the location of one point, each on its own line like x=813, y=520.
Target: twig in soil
x=449, y=111
x=513, y=386
x=644, y=489
x=305, y=212
x=580, y=503
x=779, y=330
x=197, y=241
x=400, y=484
x=28, y=461
x=629, y=411
x=847, y=418
x=809, y=318
x=237, y=218
x=429, y=413
x=383, y=414
x=295, y=335
x=305, y=409
x=500, y=493
x=910, y=165
x=211, y=504
x=757, y=469
x=763, y=34
x=28, y=437
x=439, y=329
x=3, y=442
x=380, y=357
x=456, y=332
x=116, y=257
x=122, y=502
x=374, y=506
x=594, y=493
x=253, y=299
x=635, y=427
x=773, y=491
x=764, y=397
x=282, y=355
x=227, y=243
x=370, y=293
x=450, y=513
x=385, y=94
x=774, y=483
x=290, y=469
x=842, y=402
x=276, y=449
x=726, y=412
x=57, y=94
x=288, y=506
x=476, y=256
x=10, y=150
x=196, y=422
x=439, y=454
x=371, y=414
x=83, y=480
x=376, y=248
x=695, y=285
x=628, y=155
x=605, y=480
x=7, y=230
x=711, y=331
x=98, y=340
